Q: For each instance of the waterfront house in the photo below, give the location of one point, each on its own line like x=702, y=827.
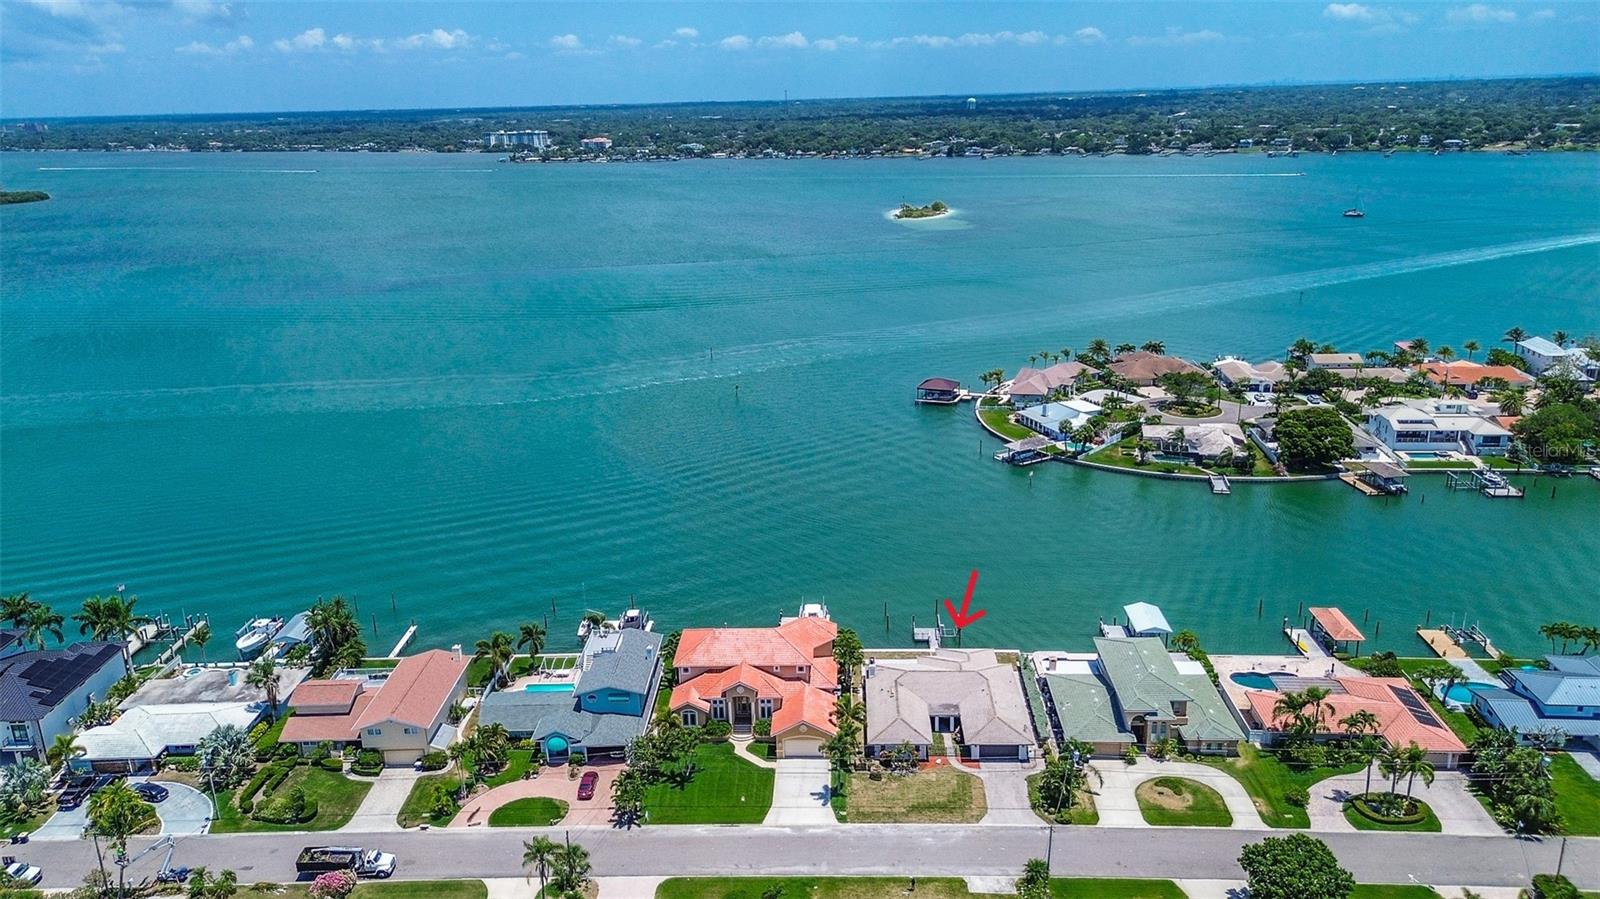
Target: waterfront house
x=1144, y=369
x=742, y=675
x=1032, y=386
x=939, y=390
x=1334, y=361
x=1403, y=717
x=1264, y=377
x=601, y=713
x=969, y=694
x=142, y=736
x=1543, y=355
x=1557, y=705
x=595, y=144
x=404, y=713
x=1436, y=426
x=1160, y=694
x=42, y=691
x=1473, y=374
x=1382, y=372
x=1081, y=698
x=1197, y=442
x=1059, y=419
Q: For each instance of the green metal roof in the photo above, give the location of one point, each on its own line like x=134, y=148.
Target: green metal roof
x=1146, y=681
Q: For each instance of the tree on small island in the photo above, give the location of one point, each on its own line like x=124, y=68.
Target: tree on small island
x=7, y=197
x=907, y=211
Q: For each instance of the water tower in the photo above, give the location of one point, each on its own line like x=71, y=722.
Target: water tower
x=972, y=103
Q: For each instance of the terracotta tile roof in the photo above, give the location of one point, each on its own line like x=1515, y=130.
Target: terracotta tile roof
x=316, y=728
x=325, y=693
x=1469, y=373
x=1336, y=624
x=418, y=689
x=799, y=642
x=1396, y=723
x=805, y=705
x=1143, y=366
x=799, y=702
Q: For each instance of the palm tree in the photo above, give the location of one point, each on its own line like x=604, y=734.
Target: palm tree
x=1560, y=338
x=498, y=650
x=1416, y=762
x=848, y=710
x=264, y=675
x=1290, y=708
x=1510, y=401
x=63, y=749
x=1359, y=722
x=42, y=621
x=16, y=608
x=1301, y=348
x=1471, y=346
x=1098, y=350
x=116, y=812
x=1154, y=346
x=531, y=637
x=1514, y=335
x=572, y=867
x=1391, y=764
x=1550, y=632
x=1369, y=746
x=539, y=854
x=200, y=637
x=337, y=634
x=1125, y=348
x=1066, y=353
x=111, y=618
x=1317, y=701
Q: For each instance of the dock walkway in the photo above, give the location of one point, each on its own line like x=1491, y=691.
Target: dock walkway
x=1441, y=643
x=1307, y=644
x=1359, y=484
x=1220, y=485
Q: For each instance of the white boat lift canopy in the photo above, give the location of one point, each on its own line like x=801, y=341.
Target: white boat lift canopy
x=1146, y=620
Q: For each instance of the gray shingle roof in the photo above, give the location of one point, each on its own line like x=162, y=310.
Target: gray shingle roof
x=1145, y=681
x=902, y=697
x=539, y=715
x=631, y=666
x=33, y=683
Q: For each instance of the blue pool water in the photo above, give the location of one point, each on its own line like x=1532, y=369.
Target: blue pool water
x=1254, y=680
x=1463, y=693
x=548, y=688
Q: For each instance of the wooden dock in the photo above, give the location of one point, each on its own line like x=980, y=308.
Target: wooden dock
x=1442, y=644
x=404, y=639
x=1363, y=486
x=1506, y=492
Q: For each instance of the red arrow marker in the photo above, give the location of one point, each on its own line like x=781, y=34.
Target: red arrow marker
x=962, y=618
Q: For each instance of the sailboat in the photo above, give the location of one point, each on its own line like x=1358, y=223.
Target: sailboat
x=1354, y=212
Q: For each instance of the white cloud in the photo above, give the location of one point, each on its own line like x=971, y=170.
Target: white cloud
x=624, y=40
x=686, y=34
x=75, y=9
x=1480, y=14
x=310, y=39
x=1348, y=12
x=971, y=39
x=1089, y=35
x=1176, y=37
x=794, y=40
x=343, y=42
x=735, y=42
x=566, y=42
x=1542, y=15
x=829, y=44
x=1378, y=19
x=437, y=39
x=203, y=10
x=201, y=48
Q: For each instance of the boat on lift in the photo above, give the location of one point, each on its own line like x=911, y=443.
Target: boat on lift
x=254, y=636
x=595, y=622
x=807, y=610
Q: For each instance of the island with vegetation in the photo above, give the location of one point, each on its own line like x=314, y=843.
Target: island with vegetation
x=7, y=197
x=932, y=210
x=1558, y=113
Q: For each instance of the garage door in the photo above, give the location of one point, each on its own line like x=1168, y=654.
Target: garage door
x=997, y=752
x=802, y=748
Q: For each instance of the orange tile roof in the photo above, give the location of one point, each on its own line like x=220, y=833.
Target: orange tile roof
x=1335, y=624
x=798, y=642
x=807, y=705
x=1468, y=373
x=316, y=728
x=1396, y=724
x=799, y=702
x=418, y=689
x=325, y=692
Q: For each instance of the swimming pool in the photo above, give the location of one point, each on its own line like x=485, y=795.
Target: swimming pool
x=1463, y=693
x=548, y=688
x=1254, y=680
x=1423, y=454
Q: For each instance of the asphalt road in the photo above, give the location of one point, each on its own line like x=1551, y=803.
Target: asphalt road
x=922, y=849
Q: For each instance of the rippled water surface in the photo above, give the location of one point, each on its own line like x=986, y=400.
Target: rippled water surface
x=461, y=390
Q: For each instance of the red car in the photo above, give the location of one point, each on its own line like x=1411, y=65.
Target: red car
x=586, y=785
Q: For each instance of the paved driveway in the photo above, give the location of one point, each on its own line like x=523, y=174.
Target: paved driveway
x=1119, y=807
x=185, y=811
x=1458, y=810
x=800, y=793
x=67, y=825
x=380, y=811
x=554, y=783
x=1005, y=791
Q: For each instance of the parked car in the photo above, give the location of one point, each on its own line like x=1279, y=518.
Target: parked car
x=150, y=792
x=80, y=788
x=25, y=873
x=587, y=784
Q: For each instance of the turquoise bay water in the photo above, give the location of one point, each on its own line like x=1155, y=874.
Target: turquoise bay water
x=464, y=391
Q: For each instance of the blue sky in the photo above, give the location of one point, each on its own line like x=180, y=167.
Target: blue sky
x=82, y=57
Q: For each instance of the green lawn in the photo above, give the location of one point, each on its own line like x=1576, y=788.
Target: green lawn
x=937, y=796
x=663, y=702
x=1122, y=455
x=999, y=419
x=1181, y=802
x=1392, y=891
x=337, y=798
x=1459, y=722
x=518, y=761
x=1081, y=812
x=394, y=889
x=763, y=750
x=1577, y=796
x=899, y=888
x=1422, y=464
x=726, y=789
x=418, y=806
x=10, y=825
x=1267, y=780
x=536, y=811
x=1429, y=824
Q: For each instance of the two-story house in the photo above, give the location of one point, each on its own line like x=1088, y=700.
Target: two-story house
x=607, y=707
x=1542, y=355
x=1558, y=704
x=1436, y=426
x=43, y=691
x=404, y=714
x=1159, y=694
x=742, y=675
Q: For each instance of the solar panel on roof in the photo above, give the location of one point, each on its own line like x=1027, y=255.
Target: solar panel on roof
x=1414, y=705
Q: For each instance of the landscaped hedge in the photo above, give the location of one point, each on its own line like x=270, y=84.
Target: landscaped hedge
x=1554, y=886
x=332, y=763
x=254, y=786
x=181, y=763
x=716, y=731
x=1362, y=805
x=293, y=807
x=368, y=763
x=434, y=761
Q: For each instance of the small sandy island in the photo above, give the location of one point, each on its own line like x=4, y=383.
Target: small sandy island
x=931, y=211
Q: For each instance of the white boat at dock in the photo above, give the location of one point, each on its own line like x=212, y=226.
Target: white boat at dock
x=254, y=636
x=632, y=619
x=807, y=610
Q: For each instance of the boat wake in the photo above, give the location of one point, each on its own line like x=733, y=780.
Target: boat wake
x=465, y=390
